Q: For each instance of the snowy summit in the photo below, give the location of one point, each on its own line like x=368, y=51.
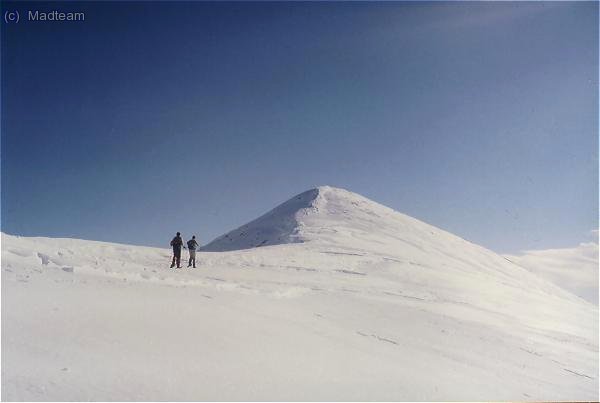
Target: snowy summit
x=324, y=215
x=310, y=216
x=329, y=296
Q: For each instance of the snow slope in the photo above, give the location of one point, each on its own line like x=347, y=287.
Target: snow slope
x=574, y=269
x=278, y=226
x=346, y=300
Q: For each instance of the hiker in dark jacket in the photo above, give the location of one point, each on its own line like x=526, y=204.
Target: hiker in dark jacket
x=192, y=245
x=177, y=243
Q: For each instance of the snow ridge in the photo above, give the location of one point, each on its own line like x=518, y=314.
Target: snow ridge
x=279, y=226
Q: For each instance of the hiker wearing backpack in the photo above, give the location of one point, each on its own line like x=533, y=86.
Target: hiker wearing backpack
x=177, y=244
x=192, y=245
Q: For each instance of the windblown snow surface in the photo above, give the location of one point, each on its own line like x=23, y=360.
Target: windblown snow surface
x=345, y=300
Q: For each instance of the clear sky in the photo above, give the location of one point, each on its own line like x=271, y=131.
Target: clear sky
x=153, y=117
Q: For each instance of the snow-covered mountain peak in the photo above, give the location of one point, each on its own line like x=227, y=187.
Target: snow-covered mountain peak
x=339, y=223
x=302, y=218
x=341, y=198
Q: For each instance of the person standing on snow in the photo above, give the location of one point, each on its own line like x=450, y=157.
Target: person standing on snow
x=192, y=245
x=177, y=243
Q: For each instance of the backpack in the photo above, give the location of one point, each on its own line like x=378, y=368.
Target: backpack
x=191, y=244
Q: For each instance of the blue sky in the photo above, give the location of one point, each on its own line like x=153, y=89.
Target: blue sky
x=153, y=117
